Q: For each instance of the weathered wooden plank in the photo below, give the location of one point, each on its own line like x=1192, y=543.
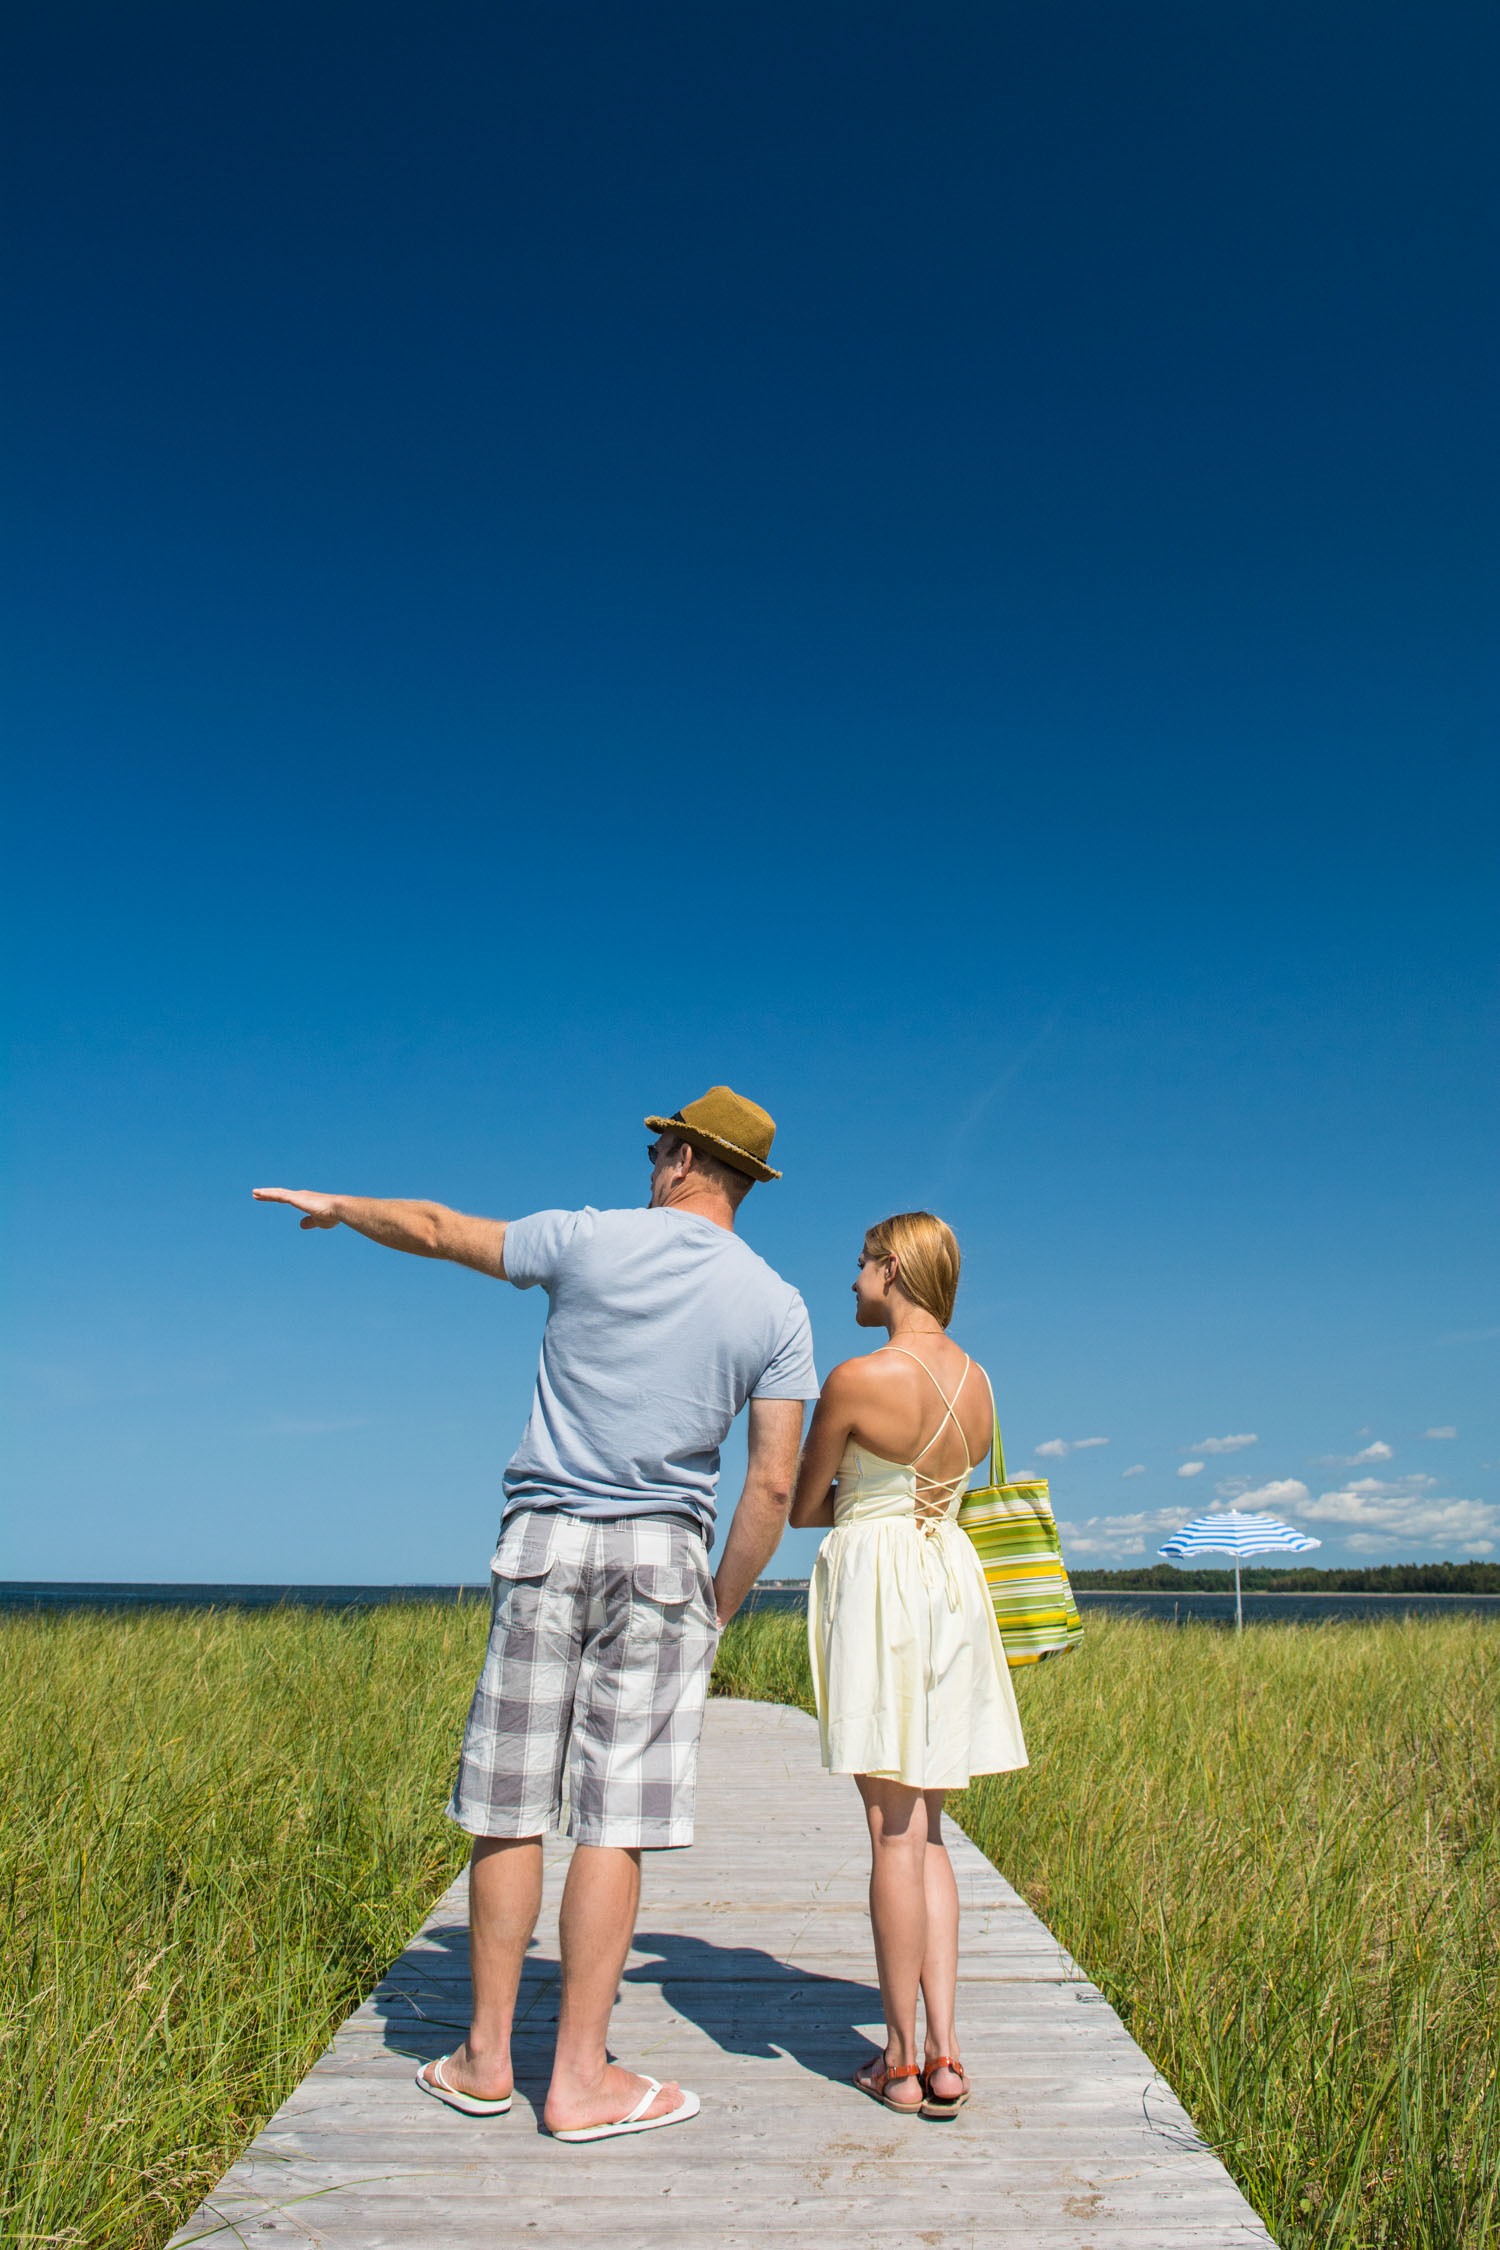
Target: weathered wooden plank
x=1054, y=2099
x=1114, y=2177
x=401, y=2221
x=751, y=1980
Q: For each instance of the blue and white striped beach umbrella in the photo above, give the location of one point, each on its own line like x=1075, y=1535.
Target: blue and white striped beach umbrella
x=1241, y=1536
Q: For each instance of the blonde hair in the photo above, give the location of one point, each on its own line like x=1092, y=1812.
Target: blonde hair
x=926, y=1259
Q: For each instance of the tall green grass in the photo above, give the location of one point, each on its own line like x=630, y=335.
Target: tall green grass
x=216, y=1830
x=1279, y=1856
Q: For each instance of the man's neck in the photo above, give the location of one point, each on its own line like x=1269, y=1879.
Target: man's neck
x=701, y=1203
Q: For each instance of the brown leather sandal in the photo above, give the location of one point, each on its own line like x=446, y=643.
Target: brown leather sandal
x=875, y=2086
x=932, y=2105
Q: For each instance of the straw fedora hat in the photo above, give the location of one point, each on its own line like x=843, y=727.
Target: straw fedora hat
x=723, y=1124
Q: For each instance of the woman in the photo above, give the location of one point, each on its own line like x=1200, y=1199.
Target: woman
x=914, y=1694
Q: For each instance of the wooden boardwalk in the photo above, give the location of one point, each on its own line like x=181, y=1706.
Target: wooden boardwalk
x=751, y=1981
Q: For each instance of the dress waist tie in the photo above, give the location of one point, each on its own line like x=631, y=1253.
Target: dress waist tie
x=936, y=1554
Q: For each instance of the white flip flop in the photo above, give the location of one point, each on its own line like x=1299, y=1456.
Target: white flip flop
x=634, y=2122
x=472, y=2105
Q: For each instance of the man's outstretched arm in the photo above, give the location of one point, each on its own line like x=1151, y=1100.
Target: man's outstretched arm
x=427, y=1230
x=760, y=1517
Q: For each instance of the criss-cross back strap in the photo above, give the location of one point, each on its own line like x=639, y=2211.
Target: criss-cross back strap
x=934, y=1495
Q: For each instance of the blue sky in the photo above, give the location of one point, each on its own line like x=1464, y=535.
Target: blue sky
x=940, y=568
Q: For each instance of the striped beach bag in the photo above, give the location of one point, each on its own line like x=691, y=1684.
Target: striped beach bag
x=1012, y=1528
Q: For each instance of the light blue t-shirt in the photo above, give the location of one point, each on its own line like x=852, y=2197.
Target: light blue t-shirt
x=660, y=1326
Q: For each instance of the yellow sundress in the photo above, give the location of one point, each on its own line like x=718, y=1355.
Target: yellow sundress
x=908, y=1666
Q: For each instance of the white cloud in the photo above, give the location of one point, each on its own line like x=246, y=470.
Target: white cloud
x=1378, y=1517
x=1447, y=1430
x=1106, y=1539
x=1380, y=1513
x=1266, y=1499
x=1381, y=1543
x=1224, y=1444
x=1379, y=1451
x=1082, y=1444
x=1054, y=1448
x=1192, y=1469
x=1136, y=1469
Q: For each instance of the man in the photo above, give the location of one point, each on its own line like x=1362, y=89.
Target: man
x=661, y=1324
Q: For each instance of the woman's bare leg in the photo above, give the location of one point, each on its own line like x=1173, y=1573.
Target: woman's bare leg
x=940, y=1960
x=897, y=1818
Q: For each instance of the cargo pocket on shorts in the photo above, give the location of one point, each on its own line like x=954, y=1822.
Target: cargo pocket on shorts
x=518, y=1575
x=525, y=1548
x=671, y=1599
x=660, y=1598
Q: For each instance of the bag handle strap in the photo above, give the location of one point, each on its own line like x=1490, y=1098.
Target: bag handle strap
x=997, y=1450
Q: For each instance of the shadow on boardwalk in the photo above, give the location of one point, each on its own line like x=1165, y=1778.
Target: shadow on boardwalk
x=749, y=2003
x=755, y=1984
x=745, y=2000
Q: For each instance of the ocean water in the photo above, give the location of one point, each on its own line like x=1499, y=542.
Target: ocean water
x=36, y=1595
x=1280, y=1609
x=42, y=1594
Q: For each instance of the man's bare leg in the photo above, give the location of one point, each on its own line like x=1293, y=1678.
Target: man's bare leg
x=505, y=1897
x=596, y=1925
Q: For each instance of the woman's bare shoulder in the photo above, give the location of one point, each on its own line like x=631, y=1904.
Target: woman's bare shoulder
x=856, y=1370
x=863, y=1377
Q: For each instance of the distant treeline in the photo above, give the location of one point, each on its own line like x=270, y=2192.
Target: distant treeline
x=1390, y=1578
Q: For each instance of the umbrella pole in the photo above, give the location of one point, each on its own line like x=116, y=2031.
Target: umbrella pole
x=1239, y=1614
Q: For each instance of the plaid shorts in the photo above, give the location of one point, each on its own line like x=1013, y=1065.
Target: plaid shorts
x=602, y=1638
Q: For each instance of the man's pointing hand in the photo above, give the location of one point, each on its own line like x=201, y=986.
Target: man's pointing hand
x=426, y=1230
x=319, y=1208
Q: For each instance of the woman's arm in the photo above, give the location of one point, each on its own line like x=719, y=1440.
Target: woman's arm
x=812, y=1502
